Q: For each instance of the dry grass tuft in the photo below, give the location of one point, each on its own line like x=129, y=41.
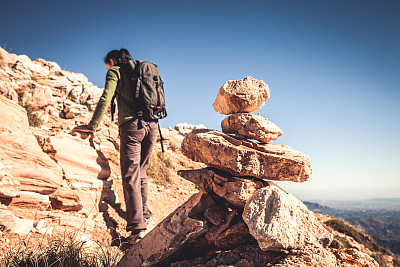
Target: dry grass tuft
x=354, y=232
x=66, y=251
x=33, y=119
x=3, y=58
x=159, y=168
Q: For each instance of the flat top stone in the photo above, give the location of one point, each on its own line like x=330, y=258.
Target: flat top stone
x=245, y=158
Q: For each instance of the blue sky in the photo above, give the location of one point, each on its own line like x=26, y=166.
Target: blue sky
x=332, y=67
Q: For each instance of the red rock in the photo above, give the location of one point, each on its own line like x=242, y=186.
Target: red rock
x=277, y=220
x=243, y=158
x=35, y=170
x=235, y=190
x=245, y=95
x=248, y=125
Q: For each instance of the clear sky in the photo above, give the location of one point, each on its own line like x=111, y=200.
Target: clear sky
x=333, y=69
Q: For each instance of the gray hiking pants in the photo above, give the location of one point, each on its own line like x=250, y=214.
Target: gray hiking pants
x=135, y=151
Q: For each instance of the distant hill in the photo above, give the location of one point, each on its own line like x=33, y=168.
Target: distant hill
x=390, y=204
x=380, y=218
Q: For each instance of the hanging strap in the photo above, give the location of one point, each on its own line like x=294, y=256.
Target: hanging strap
x=113, y=106
x=139, y=82
x=161, y=138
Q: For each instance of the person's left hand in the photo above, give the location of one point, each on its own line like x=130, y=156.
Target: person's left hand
x=83, y=130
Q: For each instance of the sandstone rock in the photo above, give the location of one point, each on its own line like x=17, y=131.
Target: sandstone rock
x=76, y=92
x=76, y=77
x=234, y=257
x=353, y=257
x=90, y=96
x=28, y=201
x=169, y=236
x=251, y=126
x=66, y=200
x=51, y=111
x=5, y=88
x=308, y=255
x=236, y=235
x=243, y=158
x=13, y=223
x=235, y=190
x=21, y=67
x=215, y=215
x=51, y=66
x=61, y=85
x=73, y=110
x=245, y=95
x=185, y=128
x=34, y=169
x=25, y=65
x=38, y=96
x=277, y=220
x=46, y=145
x=45, y=230
x=81, y=162
x=9, y=186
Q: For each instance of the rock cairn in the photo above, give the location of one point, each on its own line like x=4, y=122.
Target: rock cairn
x=240, y=217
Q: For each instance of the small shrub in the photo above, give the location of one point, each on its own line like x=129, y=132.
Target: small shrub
x=33, y=118
x=114, y=157
x=380, y=259
x=21, y=91
x=159, y=168
x=396, y=262
x=39, y=79
x=58, y=73
x=186, y=164
x=35, y=77
x=2, y=60
x=354, y=232
x=173, y=147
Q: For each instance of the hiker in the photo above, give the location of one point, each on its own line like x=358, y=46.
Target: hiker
x=138, y=136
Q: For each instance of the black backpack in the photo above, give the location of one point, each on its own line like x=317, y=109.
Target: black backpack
x=147, y=94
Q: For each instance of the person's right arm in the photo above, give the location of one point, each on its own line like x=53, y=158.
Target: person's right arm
x=112, y=79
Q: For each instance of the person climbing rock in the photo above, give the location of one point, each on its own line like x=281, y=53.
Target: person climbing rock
x=137, y=129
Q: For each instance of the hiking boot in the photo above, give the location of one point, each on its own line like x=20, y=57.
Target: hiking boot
x=135, y=237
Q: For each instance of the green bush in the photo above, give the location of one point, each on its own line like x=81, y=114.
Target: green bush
x=33, y=118
x=159, y=168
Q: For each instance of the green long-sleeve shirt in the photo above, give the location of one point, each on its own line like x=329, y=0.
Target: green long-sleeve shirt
x=115, y=80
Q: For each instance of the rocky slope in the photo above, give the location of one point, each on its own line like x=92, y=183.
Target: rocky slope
x=52, y=182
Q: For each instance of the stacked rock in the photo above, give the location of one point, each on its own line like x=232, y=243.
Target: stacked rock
x=237, y=154
x=238, y=206
x=240, y=169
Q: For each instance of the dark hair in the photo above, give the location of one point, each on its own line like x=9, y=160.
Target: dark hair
x=121, y=56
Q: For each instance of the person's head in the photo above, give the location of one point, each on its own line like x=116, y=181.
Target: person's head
x=115, y=57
